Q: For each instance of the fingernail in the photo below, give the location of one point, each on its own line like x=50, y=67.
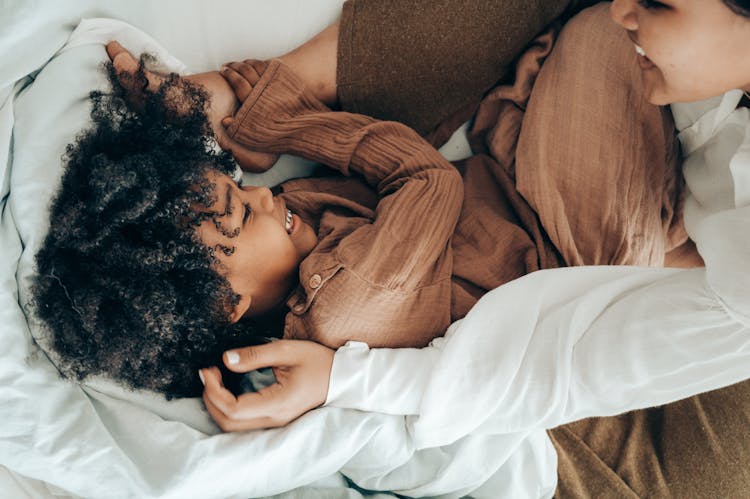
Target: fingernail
x=224, y=69
x=200, y=375
x=233, y=358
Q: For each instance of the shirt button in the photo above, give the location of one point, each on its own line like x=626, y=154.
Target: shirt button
x=315, y=281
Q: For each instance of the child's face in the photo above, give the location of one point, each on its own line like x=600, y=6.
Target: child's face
x=695, y=49
x=268, y=246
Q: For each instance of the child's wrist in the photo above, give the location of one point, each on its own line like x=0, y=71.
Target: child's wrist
x=316, y=77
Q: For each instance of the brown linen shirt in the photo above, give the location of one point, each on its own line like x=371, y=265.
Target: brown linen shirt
x=400, y=252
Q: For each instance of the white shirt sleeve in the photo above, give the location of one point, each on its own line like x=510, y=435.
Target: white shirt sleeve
x=560, y=345
x=554, y=347
x=390, y=381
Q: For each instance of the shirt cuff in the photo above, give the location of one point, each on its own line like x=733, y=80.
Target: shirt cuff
x=390, y=381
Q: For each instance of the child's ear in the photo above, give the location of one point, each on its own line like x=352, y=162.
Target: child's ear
x=241, y=308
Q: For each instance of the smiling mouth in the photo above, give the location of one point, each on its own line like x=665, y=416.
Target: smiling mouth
x=287, y=217
x=289, y=221
x=643, y=61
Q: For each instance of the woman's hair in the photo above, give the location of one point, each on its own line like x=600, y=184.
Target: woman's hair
x=741, y=7
x=124, y=286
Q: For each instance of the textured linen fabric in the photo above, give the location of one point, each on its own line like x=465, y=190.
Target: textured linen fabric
x=380, y=272
x=655, y=452
x=393, y=267
x=402, y=254
x=599, y=341
x=592, y=145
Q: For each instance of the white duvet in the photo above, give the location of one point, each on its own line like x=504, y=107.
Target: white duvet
x=58, y=438
x=550, y=348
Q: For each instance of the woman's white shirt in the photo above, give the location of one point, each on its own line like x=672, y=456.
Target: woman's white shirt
x=717, y=209
x=560, y=345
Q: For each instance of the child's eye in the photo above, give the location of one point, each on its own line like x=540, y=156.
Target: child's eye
x=652, y=5
x=247, y=213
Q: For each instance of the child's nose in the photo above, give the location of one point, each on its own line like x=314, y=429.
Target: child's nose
x=259, y=197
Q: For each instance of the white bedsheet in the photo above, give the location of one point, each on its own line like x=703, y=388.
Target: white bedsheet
x=100, y=441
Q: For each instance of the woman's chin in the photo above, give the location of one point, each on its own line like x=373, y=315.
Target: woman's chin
x=659, y=99
x=657, y=93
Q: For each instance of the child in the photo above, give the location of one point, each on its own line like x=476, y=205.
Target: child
x=157, y=260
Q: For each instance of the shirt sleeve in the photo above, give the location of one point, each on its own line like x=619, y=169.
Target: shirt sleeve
x=421, y=192
x=554, y=347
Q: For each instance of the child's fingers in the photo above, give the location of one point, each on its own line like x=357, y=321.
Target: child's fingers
x=240, y=85
x=126, y=68
x=228, y=423
x=259, y=66
x=114, y=49
x=222, y=137
x=251, y=161
x=250, y=70
x=215, y=391
x=280, y=353
x=262, y=409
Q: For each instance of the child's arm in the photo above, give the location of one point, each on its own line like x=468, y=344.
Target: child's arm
x=395, y=269
x=314, y=61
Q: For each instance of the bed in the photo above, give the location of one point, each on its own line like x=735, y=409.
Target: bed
x=59, y=439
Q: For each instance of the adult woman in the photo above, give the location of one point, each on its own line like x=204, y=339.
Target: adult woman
x=699, y=319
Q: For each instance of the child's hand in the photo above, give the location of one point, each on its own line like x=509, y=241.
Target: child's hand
x=275, y=101
x=243, y=76
x=302, y=370
x=221, y=103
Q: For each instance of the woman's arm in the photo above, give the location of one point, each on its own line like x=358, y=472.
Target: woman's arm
x=547, y=349
x=558, y=346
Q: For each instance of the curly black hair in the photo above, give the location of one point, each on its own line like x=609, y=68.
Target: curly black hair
x=740, y=7
x=124, y=286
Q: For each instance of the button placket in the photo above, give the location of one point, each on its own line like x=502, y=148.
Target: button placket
x=315, y=281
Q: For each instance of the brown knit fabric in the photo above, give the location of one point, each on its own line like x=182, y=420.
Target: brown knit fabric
x=698, y=448
x=376, y=278
x=381, y=271
x=420, y=62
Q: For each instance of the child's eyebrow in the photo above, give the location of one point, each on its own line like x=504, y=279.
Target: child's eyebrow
x=228, y=201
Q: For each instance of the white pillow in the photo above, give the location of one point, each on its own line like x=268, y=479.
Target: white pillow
x=109, y=441
x=50, y=112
